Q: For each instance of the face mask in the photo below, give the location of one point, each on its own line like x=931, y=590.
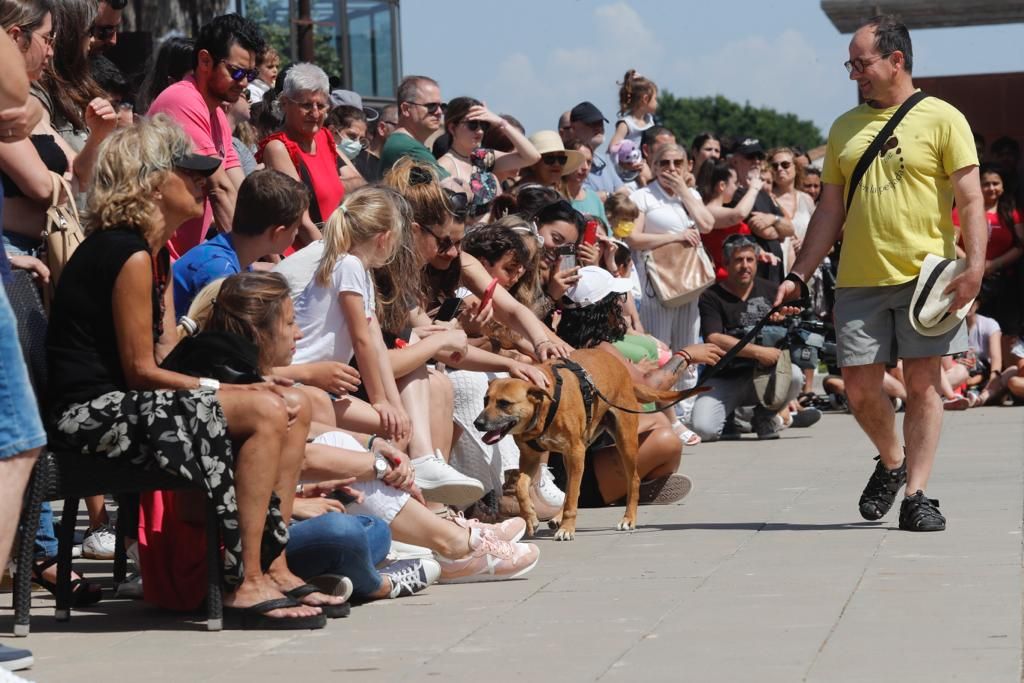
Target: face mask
x=350, y=148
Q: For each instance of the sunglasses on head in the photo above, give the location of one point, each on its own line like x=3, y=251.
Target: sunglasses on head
x=237, y=73
x=781, y=164
x=458, y=203
x=474, y=126
x=420, y=176
x=739, y=240
x=555, y=159
x=431, y=107
x=443, y=243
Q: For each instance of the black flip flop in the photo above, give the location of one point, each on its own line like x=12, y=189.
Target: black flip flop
x=330, y=611
x=255, y=617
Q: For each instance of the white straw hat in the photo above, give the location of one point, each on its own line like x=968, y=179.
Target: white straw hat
x=929, y=308
x=549, y=142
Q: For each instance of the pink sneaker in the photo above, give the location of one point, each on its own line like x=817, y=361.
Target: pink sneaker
x=511, y=530
x=491, y=559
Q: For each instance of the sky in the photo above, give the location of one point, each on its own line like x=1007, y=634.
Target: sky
x=537, y=58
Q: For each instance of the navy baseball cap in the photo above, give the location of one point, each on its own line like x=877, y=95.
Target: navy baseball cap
x=587, y=113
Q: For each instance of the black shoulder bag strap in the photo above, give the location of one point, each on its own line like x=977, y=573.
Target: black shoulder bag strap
x=876, y=145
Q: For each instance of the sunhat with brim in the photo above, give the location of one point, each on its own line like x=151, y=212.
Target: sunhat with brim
x=549, y=142
x=771, y=384
x=594, y=285
x=199, y=163
x=929, y=308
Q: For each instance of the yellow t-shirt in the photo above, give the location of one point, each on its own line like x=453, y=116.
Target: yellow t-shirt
x=902, y=210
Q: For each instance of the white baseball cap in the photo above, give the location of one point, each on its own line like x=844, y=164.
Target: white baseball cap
x=595, y=284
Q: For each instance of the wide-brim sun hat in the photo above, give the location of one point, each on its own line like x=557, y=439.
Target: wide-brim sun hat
x=929, y=307
x=594, y=285
x=549, y=142
x=771, y=384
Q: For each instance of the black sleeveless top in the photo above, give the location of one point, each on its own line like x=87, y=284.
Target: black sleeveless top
x=51, y=154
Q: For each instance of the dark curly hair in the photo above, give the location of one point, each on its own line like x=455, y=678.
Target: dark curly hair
x=220, y=33
x=588, y=326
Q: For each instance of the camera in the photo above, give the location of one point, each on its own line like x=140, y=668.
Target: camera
x=810, y=341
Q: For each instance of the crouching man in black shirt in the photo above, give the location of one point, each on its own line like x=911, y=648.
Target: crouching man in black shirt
x=727, y=309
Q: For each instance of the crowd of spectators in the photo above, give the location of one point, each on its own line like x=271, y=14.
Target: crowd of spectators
x=298, y=301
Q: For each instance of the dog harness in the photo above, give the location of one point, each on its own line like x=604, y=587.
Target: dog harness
x=587, y=391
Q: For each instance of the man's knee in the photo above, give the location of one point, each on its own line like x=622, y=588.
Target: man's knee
x=707, y=419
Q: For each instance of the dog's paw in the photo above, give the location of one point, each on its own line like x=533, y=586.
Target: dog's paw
x=531, y=526
x=626, y=525
x=565, y=535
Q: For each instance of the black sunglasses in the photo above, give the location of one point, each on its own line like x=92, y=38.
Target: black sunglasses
x=237, y=73
x=474, y=126
x=431, y=107
x=104, y=32
x=781, y=164
x=443, y=243
x=555, y=159
x=458, y=203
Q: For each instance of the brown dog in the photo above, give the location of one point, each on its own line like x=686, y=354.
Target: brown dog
x=543, y=421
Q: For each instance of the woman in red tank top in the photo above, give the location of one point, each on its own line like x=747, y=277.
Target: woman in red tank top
x=304, y=149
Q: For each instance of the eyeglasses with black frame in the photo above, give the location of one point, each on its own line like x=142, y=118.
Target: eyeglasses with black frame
x=860, y=63
x=555, y=159
x=474, y=126
x=443, y=243
x=237, y=73
x=104, y=31
x=431, y=107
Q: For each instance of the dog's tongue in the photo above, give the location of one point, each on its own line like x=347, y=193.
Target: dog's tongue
x=492, y=437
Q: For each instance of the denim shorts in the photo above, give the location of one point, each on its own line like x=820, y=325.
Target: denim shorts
x=20, y=427
x=873, y=326
x=19, y=245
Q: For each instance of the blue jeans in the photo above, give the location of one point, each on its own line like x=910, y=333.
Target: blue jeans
x=20, y=427
x=336, y=543
x=46, y=542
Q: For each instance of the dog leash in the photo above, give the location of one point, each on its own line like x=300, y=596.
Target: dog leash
x=729, y=357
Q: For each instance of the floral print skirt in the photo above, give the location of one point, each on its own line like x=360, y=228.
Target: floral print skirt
x=181, y=432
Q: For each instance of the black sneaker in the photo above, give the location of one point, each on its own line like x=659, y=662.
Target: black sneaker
x=918, y=513
x=880, y=493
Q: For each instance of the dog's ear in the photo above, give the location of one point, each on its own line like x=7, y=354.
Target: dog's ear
x=537, y=395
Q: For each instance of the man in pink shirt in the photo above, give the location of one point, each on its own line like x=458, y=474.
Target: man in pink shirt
x=224, y=63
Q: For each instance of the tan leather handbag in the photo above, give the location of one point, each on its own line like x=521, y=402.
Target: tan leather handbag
x=678, y=274
x=62, y=234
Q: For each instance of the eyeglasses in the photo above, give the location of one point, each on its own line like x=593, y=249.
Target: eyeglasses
x=308, y=107
x=781, y=164
x=444, y=244
x=474, y=126
x=674, y=163
x=104, y=32
x=237, y=73
x=555, y=159
x=390, y=123
x=859, y=64
x=47, y=39
x=431, y=107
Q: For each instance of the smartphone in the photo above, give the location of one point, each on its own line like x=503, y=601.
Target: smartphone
x=590, y=232
x=449, y=309
x=488, y=294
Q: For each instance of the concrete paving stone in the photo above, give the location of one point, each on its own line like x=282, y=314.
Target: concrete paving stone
x=765, y=573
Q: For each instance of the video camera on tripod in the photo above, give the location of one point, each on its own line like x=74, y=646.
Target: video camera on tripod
x=810, y=341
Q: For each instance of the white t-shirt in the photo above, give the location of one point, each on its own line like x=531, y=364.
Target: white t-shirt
x=635, y=131
x=662, y=213
x=978, y=336
x=325, y=334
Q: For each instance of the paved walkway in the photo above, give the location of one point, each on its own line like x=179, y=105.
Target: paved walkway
x=766, y=573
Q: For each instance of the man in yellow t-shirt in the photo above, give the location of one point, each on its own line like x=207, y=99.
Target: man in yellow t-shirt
x=900, y=212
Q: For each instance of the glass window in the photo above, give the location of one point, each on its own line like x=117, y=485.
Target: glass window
x=371, y=47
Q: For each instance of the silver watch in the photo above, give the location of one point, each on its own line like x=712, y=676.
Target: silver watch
x=380, y=466
x=209, y=383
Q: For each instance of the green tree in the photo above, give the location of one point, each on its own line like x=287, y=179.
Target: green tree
x=688, y=116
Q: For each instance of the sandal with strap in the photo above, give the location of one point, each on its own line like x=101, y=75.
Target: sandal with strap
x=331, y=611
x=255, y=617
x=83, y=593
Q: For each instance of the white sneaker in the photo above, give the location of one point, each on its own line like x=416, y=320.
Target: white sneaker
x=547, y=489
x=491, y=559
x=99, y=543
x=442, y=483
x=408, y=551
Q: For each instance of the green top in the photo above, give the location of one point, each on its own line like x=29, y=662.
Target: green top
x=400, y=145
x=591, y=205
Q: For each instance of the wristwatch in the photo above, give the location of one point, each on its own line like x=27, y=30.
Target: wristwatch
x=209, y=383
x=380, y=466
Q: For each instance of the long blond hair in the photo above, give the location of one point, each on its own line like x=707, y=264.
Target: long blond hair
x=366, y=213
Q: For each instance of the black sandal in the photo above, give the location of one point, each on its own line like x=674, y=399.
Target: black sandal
x=83, y=593
x=330, y=611
x=255, y=617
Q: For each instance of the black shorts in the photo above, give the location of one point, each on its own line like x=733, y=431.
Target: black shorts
x=590, y=492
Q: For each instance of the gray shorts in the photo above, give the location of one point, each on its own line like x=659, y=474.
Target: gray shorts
x=872, y=326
